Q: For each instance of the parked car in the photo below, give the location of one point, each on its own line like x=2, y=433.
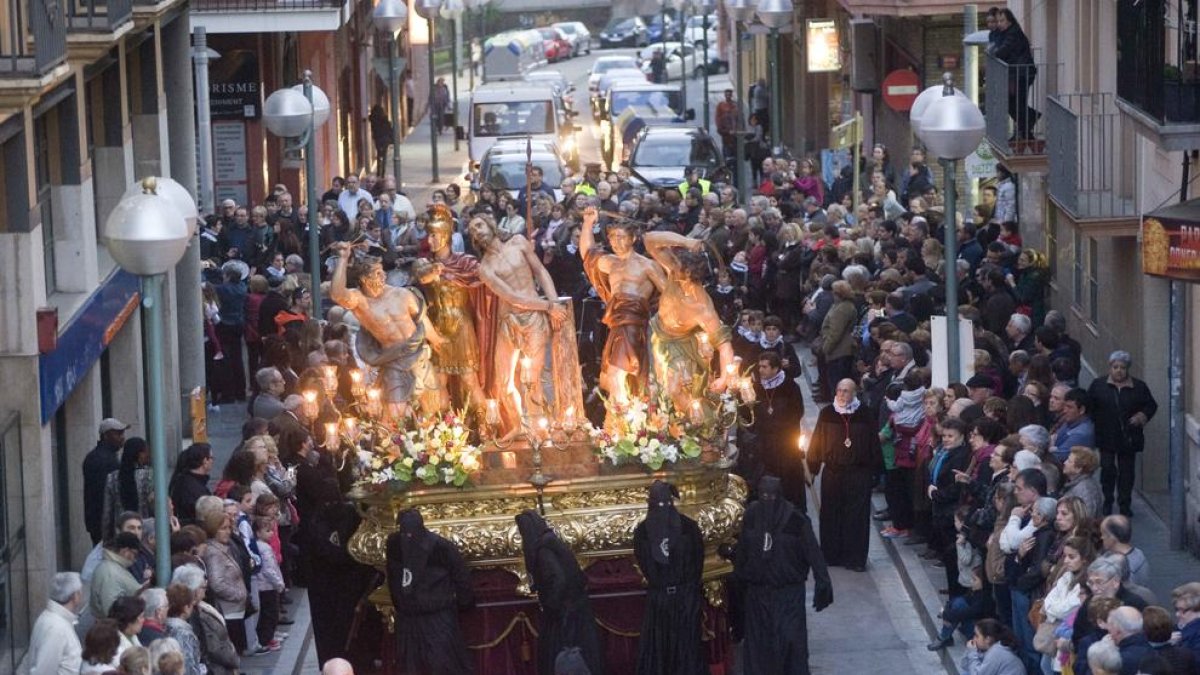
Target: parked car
x=654, y=28
x=681, y=58
x=556, y=46
x=562, y=86
x=662, y=155
x=694, y=33
x=629, y=31
x=578, y=35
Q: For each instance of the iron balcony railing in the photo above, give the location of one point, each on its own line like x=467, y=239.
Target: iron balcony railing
x=101, y=16
x=1016, y=101
x=262, y=5
x=1157, y=63
x=33, y=39
x=1094, y=163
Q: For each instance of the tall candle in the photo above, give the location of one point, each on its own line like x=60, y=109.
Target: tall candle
x=331, y=435
x=491, y=413
x=527, y=374
x=310, y=404
x=351, y=428
x=356, y=383
x=374, y=402
x=696, y=413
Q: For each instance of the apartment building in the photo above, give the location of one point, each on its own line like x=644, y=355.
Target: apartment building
x=94, y=94
x=1118, y=116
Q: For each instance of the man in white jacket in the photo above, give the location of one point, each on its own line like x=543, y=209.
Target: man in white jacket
x=54, y=647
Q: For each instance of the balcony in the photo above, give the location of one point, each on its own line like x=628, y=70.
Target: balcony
x=1158, y=72
x=33, y=49
x=1094, y=163
x=1015, y=125
x=94, y=26
x=270, y=16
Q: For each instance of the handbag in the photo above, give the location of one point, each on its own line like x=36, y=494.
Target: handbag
x=1044, y=640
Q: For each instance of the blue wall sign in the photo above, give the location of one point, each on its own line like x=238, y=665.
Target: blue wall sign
x=82, y=342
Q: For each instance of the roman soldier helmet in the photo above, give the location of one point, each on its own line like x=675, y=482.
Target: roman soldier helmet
x=441, y=220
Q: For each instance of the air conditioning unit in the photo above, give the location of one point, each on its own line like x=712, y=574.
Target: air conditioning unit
x=864, y=67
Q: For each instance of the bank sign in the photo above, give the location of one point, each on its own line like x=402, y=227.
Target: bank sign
x=234, y=86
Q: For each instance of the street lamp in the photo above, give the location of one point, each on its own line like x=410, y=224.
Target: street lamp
x=428, y=9
x=707, y=7
x=297, y=112
x=391, y=16
x=740, y=11
x=680, y=6
x=775, y=14
x=147, y=234
x=951, y=127
x=453, y=10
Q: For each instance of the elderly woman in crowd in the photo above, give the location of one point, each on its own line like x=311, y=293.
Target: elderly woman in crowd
x=1080, y=473
x=219, y=654
x=1035, y=438
x=226, y=577
x=181, y=604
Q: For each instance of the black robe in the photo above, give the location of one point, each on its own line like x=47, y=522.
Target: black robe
x=772, y=447
x=771, y=588
x=846, y=486
x=670, y=640
x=566, y=619
x=337, y=583
x=426, y=611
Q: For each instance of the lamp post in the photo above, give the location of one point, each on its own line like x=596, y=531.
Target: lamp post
x=740, y=11
x=428, y=9
x=680, y=6
x=453, y=10
x=297, y=112
x=705, y=6
x=391, y=16
x=951, y=126
x=147, y=233
x=775, y=14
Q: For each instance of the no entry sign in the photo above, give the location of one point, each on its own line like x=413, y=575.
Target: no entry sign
x=900, y=89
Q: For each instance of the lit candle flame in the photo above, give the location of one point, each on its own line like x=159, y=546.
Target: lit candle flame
x=331, y=435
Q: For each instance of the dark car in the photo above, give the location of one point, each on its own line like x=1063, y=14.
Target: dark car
x=662, y=155
x=654, y=28
x=629, y=31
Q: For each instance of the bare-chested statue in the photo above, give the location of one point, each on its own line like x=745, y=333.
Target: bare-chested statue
x=395, y=328
x=454, y=290
x=525, y=318
x=685, y=312
x=626, y=281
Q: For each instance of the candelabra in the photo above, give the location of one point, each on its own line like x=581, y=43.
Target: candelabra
x=540, y=433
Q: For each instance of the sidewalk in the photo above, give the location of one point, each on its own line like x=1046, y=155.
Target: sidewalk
x=416, y=157
x=924, y=581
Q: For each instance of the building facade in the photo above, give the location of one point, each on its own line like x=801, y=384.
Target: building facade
x=93, y=96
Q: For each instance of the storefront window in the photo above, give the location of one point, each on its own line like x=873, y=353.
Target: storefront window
x=15, y=610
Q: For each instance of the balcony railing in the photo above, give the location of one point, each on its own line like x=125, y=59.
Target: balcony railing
x=1157, y=64
x=98, y=16
x=262, y=5
x=1016, y=101
x=33, y=39
x=1094, y=163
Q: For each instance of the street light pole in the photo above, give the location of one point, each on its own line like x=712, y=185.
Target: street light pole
x=704, y=46
x=741, y=11
x=314, y=211
x=429, y=9
x=147, y=233
x=775, y=14
x=951, y=126
x=394, y=91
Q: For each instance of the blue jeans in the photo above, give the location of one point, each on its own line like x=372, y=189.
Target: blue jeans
x=960, y=613
x=1021, y=602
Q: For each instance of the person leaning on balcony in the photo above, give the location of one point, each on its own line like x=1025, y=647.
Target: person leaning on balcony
x=1012, y=47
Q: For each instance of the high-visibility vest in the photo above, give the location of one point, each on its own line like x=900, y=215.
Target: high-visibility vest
x=585, y=189
x=685, y=186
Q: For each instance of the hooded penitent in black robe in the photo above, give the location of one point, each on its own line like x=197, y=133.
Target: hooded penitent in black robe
x=670, y=552
x=337, y=583
x=778, y=419
x=774, y=552
x=428, y=582
x=566, y=619
x=850, y=472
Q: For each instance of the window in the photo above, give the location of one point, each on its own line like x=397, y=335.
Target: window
x=1077, y=267
x=1052, y=241
x=15, y=610
x=1093, y=264
x=41, y=149
x=514, y=118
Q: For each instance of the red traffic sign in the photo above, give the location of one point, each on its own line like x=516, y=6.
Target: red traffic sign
x=900, y=89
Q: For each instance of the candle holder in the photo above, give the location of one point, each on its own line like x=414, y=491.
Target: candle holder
x=310, y=407
x=541, y=434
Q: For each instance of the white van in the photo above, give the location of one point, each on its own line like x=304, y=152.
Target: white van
x=510, y=55
x=517, y=109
